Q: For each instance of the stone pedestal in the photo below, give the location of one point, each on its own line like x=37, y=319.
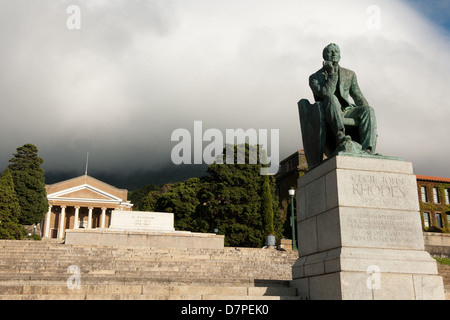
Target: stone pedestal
x=154, y=239
x=141, y=228
x=360, y=234
x=141, y=221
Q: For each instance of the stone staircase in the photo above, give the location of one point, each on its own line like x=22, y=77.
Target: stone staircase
x=52, y=270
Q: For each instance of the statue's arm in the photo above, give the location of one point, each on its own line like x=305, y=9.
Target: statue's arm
x=356, y=94
x=325, y=88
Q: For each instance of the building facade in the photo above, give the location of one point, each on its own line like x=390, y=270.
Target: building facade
x=434, y=199
x=81, y=202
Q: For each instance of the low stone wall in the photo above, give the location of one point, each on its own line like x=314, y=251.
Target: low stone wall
x=437, y=244
x=176, y=239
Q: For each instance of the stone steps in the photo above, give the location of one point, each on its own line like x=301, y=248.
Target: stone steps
x=141, y=289
x=42, y=280
x=37, y=270
x=138, y=253
x=145, y=262
x=144, y=297
x=150, y=269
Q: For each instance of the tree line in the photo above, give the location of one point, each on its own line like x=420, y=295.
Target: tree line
x=234, y=200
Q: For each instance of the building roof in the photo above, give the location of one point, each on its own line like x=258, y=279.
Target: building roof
x=430, y=178
x=86, y=180
x=86, y=190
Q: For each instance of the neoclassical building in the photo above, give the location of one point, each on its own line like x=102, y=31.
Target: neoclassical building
x=81, y=202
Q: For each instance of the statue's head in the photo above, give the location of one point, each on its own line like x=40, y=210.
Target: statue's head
x=332, y=53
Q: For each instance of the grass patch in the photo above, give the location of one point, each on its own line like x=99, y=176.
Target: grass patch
x=445, y=261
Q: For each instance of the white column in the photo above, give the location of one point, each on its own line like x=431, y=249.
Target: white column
x=76, y=224
x=62, y=224
x=102, y=222
x=90, y=218
x=47, y=222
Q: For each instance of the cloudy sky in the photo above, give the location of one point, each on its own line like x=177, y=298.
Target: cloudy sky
x=120, y=77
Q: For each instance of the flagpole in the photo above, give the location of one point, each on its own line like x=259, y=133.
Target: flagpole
x=87, y=161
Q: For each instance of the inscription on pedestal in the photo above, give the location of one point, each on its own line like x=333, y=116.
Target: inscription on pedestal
x=378, y=190
x=378, y=186
x=372, y=228
x=140, y=220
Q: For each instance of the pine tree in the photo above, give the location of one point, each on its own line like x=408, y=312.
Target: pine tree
x=267, y=207
x=9, y=209
x=234, y=201
x=181, y=199
x=29, y=184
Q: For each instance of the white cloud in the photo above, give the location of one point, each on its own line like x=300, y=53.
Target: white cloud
x=138, y=70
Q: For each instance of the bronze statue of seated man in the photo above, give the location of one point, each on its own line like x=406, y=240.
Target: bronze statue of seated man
x=333, y=124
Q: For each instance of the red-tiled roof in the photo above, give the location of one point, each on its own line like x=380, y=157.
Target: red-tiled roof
x=430, y=178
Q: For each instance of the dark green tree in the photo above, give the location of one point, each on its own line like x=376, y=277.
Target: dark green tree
x=148, y=203
x=9, y=209
x=267, y=207
x=182, y=200
x=29, y=184
x=137, y=197
x=234, y=199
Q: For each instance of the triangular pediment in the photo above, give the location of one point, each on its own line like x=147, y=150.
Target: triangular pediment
x=86, y=180
x=83, y=192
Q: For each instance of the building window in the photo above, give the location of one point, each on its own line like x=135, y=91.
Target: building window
x=426, y=219
x=447, y=195
x=423, y=191
x=439, y=220
x=436, y=195
x=448, y=219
